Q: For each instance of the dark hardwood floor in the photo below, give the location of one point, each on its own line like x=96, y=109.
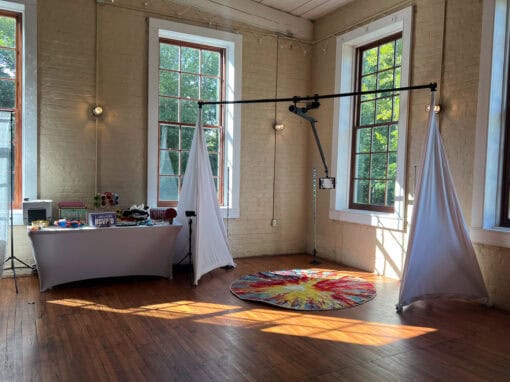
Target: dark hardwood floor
x=136, y=329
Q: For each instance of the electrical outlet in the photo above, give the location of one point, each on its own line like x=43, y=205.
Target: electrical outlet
x=274, y=222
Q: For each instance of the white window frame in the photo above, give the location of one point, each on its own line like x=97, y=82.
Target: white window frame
x=490, y=125
x=232, y=43
x=345, y=78
x=28, y=9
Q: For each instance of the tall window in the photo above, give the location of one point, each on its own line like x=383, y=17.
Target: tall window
x=505, y=191
x=375, y=134
x=10, y=90
x=188, y=73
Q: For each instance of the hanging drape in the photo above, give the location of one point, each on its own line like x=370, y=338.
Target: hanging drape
x=210, y=248
x=440, y=261
x=5, y=182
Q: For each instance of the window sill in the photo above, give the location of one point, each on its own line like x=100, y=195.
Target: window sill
x=497, y=236
x=370, y=218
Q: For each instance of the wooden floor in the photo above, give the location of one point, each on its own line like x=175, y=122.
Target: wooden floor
x=159, y=330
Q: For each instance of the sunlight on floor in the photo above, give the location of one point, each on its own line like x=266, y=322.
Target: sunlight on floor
x=319, y=327
x=269, y=321
x=173, y=310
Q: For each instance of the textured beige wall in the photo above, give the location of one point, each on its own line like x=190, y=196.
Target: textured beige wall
x=67, y=73
x=456, y=72
x=67, y=87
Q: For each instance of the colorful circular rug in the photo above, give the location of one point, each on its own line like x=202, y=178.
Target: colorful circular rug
x=304, y=289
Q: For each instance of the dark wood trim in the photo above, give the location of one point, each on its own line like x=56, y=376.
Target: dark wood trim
x=505, y=181
x=221, y=117
x=17, y=109
x=356, y=125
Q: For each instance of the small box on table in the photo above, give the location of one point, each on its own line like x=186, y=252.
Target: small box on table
x=102, y=219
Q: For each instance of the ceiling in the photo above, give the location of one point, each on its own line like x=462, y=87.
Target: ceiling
x=308, y=9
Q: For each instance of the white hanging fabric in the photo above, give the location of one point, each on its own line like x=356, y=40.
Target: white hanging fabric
x=5, y=182
x=210, y=248
x=440, y=261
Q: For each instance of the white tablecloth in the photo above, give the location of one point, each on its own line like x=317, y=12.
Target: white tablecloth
x=65, y=255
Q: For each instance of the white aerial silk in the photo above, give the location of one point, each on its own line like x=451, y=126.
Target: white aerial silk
x=440, y=261
x=210, y=248
x=5, y=182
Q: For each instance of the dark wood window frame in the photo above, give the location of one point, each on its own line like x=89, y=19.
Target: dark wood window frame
x=220, y=126
x=505, y=181
x=17, y=110
x=356, y=126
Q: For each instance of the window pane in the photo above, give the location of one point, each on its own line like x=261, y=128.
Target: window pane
x=211, y=115
x=362, y=166
x=391, y=193
x=184, y=161
x=7, y=94
x=392, y=165
x=398, y=52
x=393, y=138
x=189, y=111
x=369, y=61
x=397, y=78
x=210, y=63
x=168, y=188
x=167, y=109
x=363, y=140
x=379, y=166
x=396, y=109
x=213, y=158
x=190, y=60
x=7, y=63
x=386, y=55
x=168, y=83
x=7, y=32
x=378, y=192
x=368, y=83
x=187, y=137
x=189, y=86
x=383, y=112
x=169, y=137
x=216, y=183
x=367, y=113
x=210, y=89
x=361, y=191
x=380, y=139
x=385, y=80
x=169, y=56
x=168, y=162
x=212, y=139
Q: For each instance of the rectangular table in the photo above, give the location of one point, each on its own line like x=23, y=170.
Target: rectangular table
x=64, y=255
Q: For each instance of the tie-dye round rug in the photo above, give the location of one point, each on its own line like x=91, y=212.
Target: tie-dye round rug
x=304, y=289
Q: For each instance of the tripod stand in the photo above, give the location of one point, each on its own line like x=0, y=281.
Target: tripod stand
x=189, y=215
x=12, y=257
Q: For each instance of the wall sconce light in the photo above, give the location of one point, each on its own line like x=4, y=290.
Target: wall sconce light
x=279, y=127
x=437, y=108
x=97, y=111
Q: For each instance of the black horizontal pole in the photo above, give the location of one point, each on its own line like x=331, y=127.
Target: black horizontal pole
x=432, y=86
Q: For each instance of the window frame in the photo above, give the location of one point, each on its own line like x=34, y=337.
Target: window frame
x=357, y=112
x=18, y=107
x=29, y=122
x=346, y=45
x=220, y=126
x=493, y=94
x=232, y=114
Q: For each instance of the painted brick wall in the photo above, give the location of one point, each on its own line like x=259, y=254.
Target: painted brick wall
x=383, y=251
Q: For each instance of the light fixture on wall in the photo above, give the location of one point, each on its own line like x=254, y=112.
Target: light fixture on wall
x=279, y=127
x=97, y=110
x=437, y=108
